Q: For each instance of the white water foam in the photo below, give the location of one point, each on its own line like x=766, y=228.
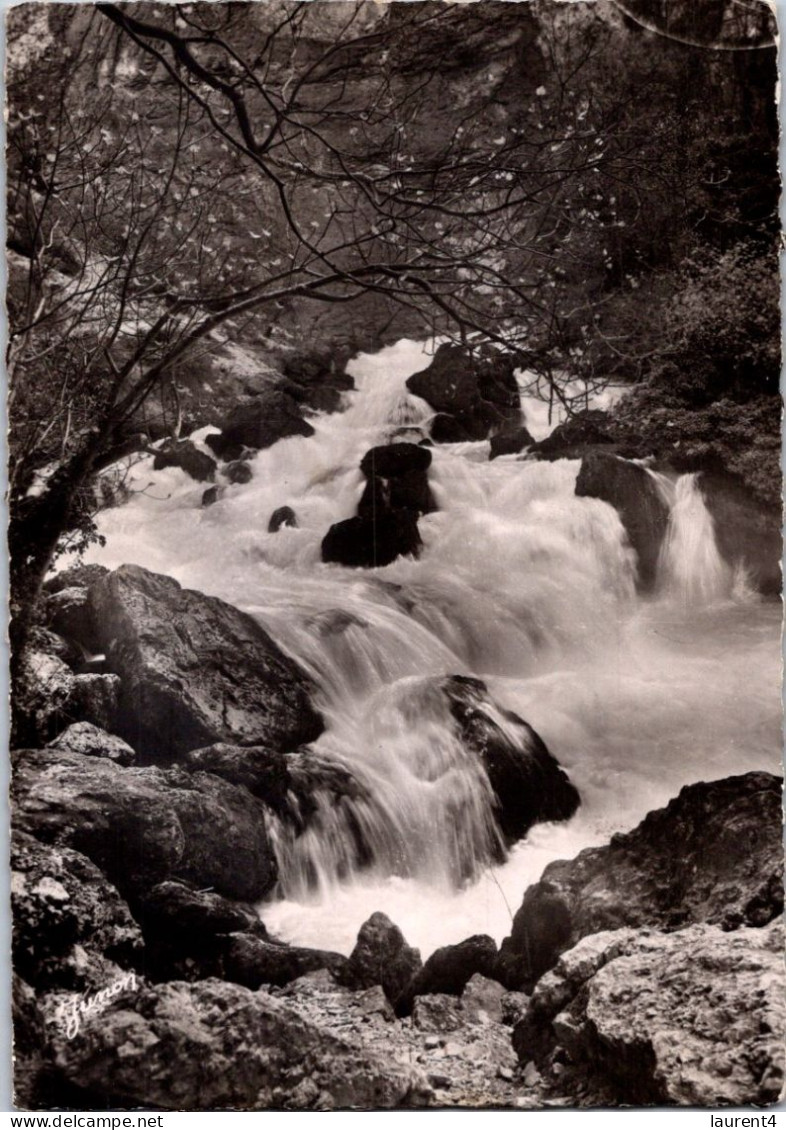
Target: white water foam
x=519, y=583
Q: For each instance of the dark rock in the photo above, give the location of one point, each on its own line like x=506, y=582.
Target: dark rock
x=477, y=390
x=90, y=741
x=284, y=516
x=395, y=460
x=238, y=472
x=212, y=495
x=142, y=826
x=632, y=491
x=263, y=771
x=528, y=782
x=510, y=443
x=70, y=925
x=29, y=1041
x=186, y=929
x=396, y=481
x=259, y=423
x=381, y=957
x=447, y=429
x=252, y=961
x=714, y=855
x=288, y=783
x=215, y=1046
x=195, y=670
x=693, y=1018
x=747, y=532
x=185, y=455
x=449, y=969
x=175, y=910
x=368, y=543
x=590, y=428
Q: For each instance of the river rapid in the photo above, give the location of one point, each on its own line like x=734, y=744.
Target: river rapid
x=519, y=583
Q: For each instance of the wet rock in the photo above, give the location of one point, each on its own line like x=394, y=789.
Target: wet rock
x=528, y=782
x=215, y=1046
x=184, y=454
x=712, y=855
x=141, y=826
x=284, y=516
x=289, y=784
x=447, y=429
x=263, y=771
x=570, y=439
x=259, y=423
x=438, y=1013
x=195, y=670
x=693, y=1018
x=747, y=533
x=211, y=496
x=397, y=480
x=510, y=442
x=71, y=928
x=395, y=461
x=477, y=390
x=381, y=957
x=238, y=472
x=449, y=969
x=369, y=543
x=90, y=741
x=252, y=961
x=632, y=491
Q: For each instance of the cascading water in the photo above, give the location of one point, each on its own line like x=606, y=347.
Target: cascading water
x=519, y=583
x=690, y=567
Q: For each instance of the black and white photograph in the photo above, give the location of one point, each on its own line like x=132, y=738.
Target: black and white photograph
x=394, y=555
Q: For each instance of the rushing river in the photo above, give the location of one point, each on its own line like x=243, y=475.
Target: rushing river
x=520, y=583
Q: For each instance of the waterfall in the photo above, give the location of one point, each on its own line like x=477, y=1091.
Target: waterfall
x=691, y=568
x=520, y=584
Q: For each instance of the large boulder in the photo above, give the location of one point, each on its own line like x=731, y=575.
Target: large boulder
x=713, y=855
x=477, y=390
x=250, y=960
x=258, y=423
x=187, y=456
x=510, y=442
x=371, y=542
x=694, y=1018
x=381, y=957
x=634, y=494
x=528, y=782
x=449, y=969
x=195, y=670
x=290, y=784
x=216, y=1046
x=747, y=533
x=70, y=927
x=396, y=479
x=141, y=826
x=575, y=436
